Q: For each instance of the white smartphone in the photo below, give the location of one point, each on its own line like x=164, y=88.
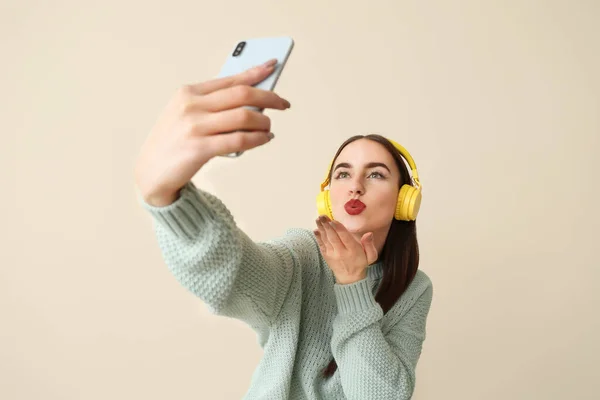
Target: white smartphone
x=252, y=52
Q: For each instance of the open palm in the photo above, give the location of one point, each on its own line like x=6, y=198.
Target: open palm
x=347, y=256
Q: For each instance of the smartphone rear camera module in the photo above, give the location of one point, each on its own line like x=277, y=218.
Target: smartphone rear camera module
x=239, y=48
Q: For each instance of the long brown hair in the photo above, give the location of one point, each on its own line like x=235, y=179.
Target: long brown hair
x=400, y=253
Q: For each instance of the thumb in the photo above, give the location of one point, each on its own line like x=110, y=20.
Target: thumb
x=368, y=245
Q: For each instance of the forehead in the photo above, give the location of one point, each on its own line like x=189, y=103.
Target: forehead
x=364, y=151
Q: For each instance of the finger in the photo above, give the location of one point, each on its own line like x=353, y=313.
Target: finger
x=323, y=235
x=346, y=237
x=228, y=143
x=322, y=246
x=250, y=77
x=368, y=245
x=239, y=119
x=332, y=235
x=242, y=95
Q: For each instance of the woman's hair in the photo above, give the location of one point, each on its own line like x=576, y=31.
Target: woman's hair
x=400, y=253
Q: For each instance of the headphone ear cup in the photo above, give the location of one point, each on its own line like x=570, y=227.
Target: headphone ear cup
x=408, y=204
x=324, y=204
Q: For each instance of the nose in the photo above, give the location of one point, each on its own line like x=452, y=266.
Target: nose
x=356, y=187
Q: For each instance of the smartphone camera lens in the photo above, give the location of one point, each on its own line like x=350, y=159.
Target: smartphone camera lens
x=239, y=48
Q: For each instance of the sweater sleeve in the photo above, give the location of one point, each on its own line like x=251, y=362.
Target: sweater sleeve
x=374, y=365
x=217, y=262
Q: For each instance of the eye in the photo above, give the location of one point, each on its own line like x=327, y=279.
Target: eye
x=341, y=175
x=377, y=175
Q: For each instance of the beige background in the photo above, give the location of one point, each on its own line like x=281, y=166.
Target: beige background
x=497, y=101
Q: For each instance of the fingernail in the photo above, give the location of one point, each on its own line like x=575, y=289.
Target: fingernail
x=286, y=103
x=270, y=135
x=270, y=63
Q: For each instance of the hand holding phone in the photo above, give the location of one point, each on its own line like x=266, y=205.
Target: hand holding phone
x=251, y=52
x=188, y=133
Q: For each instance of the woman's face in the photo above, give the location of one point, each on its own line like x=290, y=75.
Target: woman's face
x=366, y=171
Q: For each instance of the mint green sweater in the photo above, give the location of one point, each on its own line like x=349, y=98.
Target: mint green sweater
x=284, y=291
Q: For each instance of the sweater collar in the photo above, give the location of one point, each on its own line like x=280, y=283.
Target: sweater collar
x=375, y=271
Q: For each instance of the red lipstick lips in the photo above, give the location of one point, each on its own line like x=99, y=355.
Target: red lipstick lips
x=354, y=207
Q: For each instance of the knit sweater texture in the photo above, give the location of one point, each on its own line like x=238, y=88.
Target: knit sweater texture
x=284, y=290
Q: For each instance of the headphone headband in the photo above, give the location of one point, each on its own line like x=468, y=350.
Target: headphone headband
x=403, y=152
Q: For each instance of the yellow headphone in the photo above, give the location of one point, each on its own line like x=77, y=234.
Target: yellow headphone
x=409, y=196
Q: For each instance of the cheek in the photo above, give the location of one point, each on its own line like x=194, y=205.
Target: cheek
x=390, y=197
x=387, y=200
x=337, y=194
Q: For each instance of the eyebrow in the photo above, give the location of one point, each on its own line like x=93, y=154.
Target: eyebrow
x=369, y=165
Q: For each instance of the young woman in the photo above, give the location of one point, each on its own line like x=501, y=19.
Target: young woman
x=340, y=311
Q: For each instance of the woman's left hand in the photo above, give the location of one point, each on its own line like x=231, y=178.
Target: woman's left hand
x=347, y=257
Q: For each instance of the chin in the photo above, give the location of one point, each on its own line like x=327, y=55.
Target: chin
x=364, y=222
x=354, y=223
